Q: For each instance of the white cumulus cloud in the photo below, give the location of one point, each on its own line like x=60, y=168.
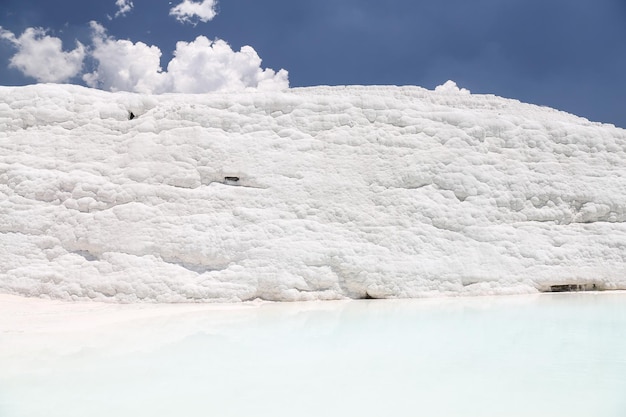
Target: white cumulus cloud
x=190, y=11
x=199, y=66
x=123, y=7
x=124, y=65
x=450, y=87
x=204, y=65
x=41, y=56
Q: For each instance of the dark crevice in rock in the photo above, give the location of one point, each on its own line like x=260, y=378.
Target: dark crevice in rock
x=198, y=269
x=86, y=254
x=573, y=287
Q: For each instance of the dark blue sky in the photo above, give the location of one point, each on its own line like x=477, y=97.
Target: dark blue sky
x=567, y=54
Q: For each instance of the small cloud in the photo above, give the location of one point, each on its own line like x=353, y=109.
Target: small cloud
x=42, y=57
x=190, y=11
x=7, y=35
x=123, y=7
x=450, y=87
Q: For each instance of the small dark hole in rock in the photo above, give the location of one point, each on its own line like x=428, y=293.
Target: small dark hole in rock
x=565, y=288
x=131, y=115
x=367, y=296
x=233, y=179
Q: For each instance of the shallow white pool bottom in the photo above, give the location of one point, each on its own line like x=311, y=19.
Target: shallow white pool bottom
x=543, y=355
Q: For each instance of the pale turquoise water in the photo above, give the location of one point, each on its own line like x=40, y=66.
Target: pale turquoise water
x=548, y=355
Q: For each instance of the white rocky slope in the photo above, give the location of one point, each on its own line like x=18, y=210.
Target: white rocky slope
x=341, y=192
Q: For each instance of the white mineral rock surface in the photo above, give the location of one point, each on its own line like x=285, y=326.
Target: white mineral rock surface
x=309, y=193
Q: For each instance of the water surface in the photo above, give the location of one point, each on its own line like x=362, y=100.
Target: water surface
x=543, y=355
